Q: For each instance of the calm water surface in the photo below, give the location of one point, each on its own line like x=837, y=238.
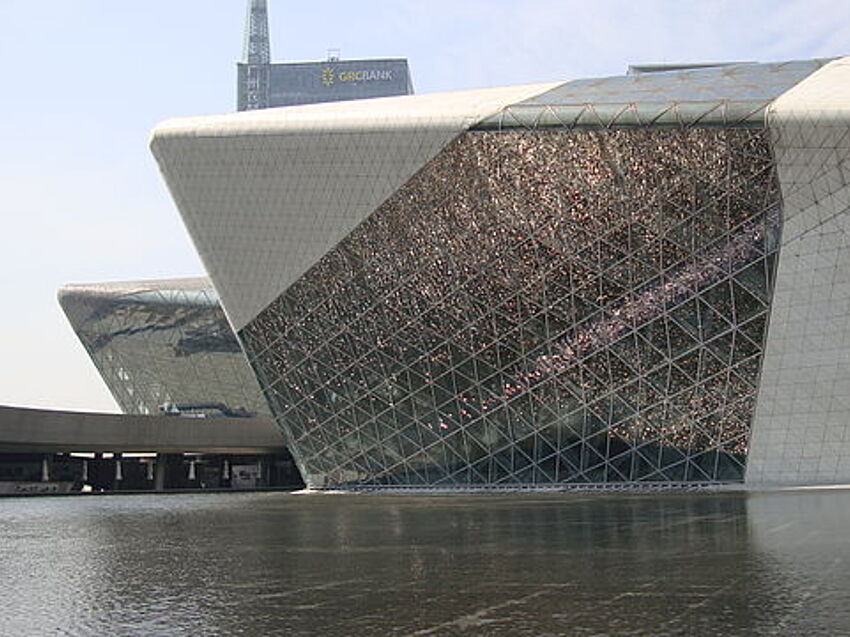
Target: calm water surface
x=569, y=564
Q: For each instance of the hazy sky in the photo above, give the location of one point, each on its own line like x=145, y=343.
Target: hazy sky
x=84, y=81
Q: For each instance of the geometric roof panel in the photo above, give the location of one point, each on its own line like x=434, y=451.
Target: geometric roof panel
x=735, y=94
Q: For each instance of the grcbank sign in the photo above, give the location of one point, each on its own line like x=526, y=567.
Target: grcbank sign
x=331, y=75
x=294, y=83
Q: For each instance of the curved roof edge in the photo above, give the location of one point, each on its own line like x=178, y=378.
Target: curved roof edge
x=265, y=194
x=728, y=95
x=452, y=109
x=78, y=299
x=824, y=94
x=120, y=288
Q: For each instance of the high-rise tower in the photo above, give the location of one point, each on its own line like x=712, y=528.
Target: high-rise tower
x=262, y=84
x=254, y=69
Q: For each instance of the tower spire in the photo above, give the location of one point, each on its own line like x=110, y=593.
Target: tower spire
x=257, y=48
x=254, y=69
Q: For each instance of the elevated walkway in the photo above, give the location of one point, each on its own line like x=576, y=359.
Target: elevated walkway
x=25, y=430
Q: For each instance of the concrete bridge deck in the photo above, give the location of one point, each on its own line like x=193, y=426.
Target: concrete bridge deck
x=24, y=430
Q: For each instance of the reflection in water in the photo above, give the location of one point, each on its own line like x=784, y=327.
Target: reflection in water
x=429, y=565
x=803, y=538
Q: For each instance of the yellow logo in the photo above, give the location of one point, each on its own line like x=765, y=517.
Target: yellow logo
x=328, y=76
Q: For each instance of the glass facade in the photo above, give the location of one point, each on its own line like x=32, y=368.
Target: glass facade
x=725, y=95
x=537, y=307
x=164, y=346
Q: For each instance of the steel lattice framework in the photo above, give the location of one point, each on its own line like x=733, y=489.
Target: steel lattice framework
x=552, y=284
x=537, y=307
x=256, y=57
x=166, y=342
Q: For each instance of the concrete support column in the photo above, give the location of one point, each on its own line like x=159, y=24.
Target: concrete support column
x=159, y=472
x=98, y=472
x=263, y=471
x=119, y=473
x=45, y=469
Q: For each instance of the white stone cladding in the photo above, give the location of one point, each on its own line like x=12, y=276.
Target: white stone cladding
x=801, y=432
x=265, y=194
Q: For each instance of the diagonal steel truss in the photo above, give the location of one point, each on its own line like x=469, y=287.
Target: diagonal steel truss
x=537, y=307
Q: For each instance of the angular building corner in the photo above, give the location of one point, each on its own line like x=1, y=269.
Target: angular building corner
x=543, y=285
x=265, y=194
x=163, y=346
x=801, y=433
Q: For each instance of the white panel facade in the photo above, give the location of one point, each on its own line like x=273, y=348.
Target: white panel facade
x=266, y=194
x=801, y=433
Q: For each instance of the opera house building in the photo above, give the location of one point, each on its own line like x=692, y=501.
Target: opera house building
x=164, y=346
x=618, y=281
